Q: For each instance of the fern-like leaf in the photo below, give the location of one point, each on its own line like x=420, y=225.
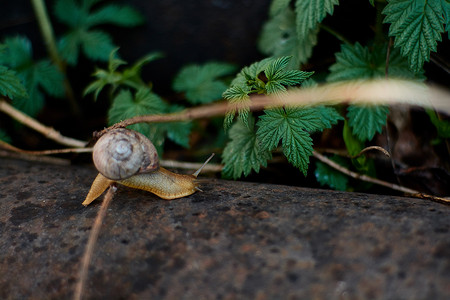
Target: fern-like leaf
x=243, y=153
x=417, y=26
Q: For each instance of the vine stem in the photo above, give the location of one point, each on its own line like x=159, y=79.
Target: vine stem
x=50, y=43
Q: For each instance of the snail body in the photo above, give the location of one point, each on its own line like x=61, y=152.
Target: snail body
x=127, y=157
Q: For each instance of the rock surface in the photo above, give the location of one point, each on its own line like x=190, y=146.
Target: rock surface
x=233, y=241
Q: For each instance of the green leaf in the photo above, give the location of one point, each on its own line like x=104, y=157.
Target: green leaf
x=201, y=83
x=442, y=126
x=417, y=26
x=331, y=177
x=10, y=84
x=366, y=120
x=70, y=13
x=126, y=106
x=49, y=78
x=328, y=116
x=35, y=76
x=279, y=38
x=310, y=13
x=278, y=6
x=5, y=137
x=178, y=132
x=129, y=77
x=359, y=62
x=97, y=45
x=119, y=15
x=290, y=125
x=17, y=53
x=243, y=153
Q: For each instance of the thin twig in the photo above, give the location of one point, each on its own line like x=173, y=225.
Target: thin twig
x=41, y=159
x=374, y=92
x=366, y=178
x=80, y=286
x=39, y=127
x=212, y=168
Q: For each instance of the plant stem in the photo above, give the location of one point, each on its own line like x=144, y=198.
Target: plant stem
x=50, y=43
x=335, y=34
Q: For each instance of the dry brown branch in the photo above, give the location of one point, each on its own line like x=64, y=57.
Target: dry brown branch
x=45, y=130
x=366, y=178
x=374, y=92
x=79, y=288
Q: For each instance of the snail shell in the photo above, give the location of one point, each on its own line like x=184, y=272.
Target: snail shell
x=122, y=153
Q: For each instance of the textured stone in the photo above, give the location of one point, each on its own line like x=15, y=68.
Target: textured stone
x=235, y=240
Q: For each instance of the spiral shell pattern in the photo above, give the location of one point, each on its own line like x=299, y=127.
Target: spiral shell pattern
x=122, y=153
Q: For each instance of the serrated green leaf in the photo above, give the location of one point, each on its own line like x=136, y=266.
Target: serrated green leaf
x=10, y=84
x=243, y=154
x=417, y=26
x=279, y=38
x=70, y=13
x=366, y=120
x=49, y=78
x=331, y=177
x=17, y=53
x=201, y=83
x=97, y=44
x=119, y=15
x=310, y=13
x=126, y=106
x=35, y=76
x=178, y=132
x=359, y=62
x=328, y=116
x=290, y=126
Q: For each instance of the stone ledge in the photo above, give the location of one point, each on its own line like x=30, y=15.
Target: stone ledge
x=235, y=241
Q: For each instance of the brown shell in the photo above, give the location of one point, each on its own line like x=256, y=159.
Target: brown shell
x=122, y=153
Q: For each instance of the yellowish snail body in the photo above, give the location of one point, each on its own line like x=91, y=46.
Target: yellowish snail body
x=127, y=157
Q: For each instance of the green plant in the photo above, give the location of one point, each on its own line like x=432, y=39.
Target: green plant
x=291, y=31
x=82, y=17
x=131, y=96
x=37, y=76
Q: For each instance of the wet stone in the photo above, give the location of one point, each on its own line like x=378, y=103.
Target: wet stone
x=235, y=240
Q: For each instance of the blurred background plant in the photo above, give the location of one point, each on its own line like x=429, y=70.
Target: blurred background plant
x=185, y=54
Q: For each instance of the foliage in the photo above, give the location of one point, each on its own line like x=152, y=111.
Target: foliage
x=127, y=104
x=81, y=17
x=130, y=77
x=327, y=176
x=243, y=153
x=269, y=76
x=289, y=125
x=203, y=83
x=417, y=25
x=37, y=76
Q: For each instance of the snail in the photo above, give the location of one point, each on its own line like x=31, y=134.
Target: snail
x=127, y=157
